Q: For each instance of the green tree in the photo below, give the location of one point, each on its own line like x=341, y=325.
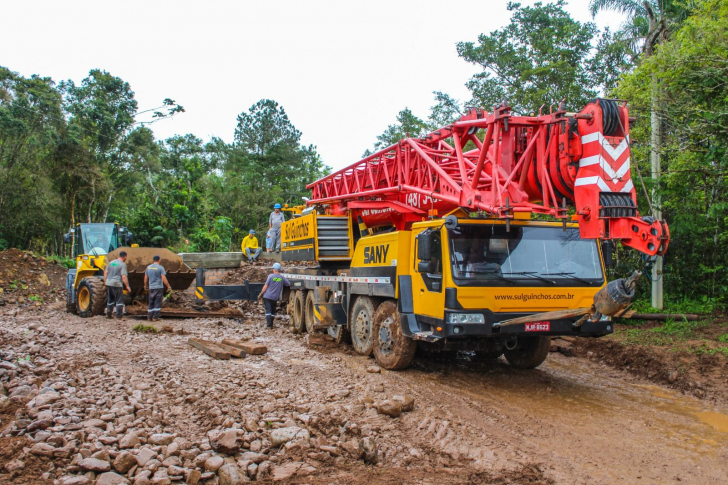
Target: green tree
x=408, y=126
x=31, y=125
x=444, y=111
x=264, y=127
x=692, y=105
x=540, y=58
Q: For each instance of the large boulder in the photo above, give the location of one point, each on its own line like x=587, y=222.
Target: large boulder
x=226, y=441
x=161, y=439
x=282, y=436
x=94, y=465
x=124, y=461
x=111, y=478
x=231, y=475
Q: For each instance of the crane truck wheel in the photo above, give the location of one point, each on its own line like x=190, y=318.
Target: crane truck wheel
x=90, y=297
x=392, y=350
x=529, y=353
x=339, y=333
x=360, y=322
x=297, y=317
x=308, y=313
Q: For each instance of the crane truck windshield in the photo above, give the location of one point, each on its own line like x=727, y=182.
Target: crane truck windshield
x=99, y=239
x=488, y=255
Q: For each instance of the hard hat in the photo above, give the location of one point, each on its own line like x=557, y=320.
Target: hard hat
x=251, y=231
x=277, y=206
x=277, y=266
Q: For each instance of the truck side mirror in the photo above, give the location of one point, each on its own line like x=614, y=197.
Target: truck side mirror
x=425, y=245
x=608, y=253
x=67, y=238
x=425, y=267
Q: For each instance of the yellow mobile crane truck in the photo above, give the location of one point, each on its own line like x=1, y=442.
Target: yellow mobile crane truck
x=463, y=240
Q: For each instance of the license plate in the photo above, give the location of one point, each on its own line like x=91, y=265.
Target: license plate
x=538, y=327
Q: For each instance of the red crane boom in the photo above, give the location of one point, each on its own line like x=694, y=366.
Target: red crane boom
x=536, y=164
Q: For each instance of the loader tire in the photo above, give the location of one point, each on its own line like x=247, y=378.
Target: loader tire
x=361, y=319
x=297, y=317
x=392, y=349
x=90, y=297
x=310, y=317
x=529, y=353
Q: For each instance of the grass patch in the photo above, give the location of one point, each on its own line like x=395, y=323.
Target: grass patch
x=636, y=336
x=672, y=332
x=723, y=338
x=704, y=306
x=142, y=328
x=67, y=262
x=681, y=329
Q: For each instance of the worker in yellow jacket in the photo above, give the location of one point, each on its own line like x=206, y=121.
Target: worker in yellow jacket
x=250, y=246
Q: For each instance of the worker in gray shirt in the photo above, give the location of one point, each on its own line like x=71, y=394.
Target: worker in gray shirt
x=115, y=279
x=155, y=280
x=271, y=293
x=275, y=220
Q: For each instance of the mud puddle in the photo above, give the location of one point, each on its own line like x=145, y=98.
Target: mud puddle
x=580, y=419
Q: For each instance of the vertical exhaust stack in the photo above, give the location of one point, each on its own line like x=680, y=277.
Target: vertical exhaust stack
x=363, y=229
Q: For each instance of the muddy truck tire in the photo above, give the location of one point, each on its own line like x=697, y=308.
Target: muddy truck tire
x=297, y=318
x=339, y=333
x=90, y=297
x=529, y=353
x=392, y=350
x=361, y=321
x=308, y=311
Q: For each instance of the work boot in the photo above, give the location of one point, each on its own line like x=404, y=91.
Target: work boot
x=119, y=317
x=109, y=315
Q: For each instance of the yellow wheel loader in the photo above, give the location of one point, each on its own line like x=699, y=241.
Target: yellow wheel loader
x=94, y=245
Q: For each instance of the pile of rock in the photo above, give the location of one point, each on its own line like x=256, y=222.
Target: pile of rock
x=87, y=421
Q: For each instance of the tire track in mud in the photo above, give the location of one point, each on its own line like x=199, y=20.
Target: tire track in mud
x=584, y=422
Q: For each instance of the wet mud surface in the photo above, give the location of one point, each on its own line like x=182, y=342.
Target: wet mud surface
x=573, y=420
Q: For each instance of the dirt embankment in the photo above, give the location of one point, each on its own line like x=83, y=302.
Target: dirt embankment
x=690, y=357
x=29, y=281
x=258, y=271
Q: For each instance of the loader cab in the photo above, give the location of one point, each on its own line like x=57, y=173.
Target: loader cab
x=97, y=239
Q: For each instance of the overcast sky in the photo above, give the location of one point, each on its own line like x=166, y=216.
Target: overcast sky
x=342, y=70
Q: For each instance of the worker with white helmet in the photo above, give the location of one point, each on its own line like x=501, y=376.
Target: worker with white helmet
x=272, y=292
x=275, y=220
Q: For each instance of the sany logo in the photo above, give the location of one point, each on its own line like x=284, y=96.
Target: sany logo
x=376, y=254
x=538, y=327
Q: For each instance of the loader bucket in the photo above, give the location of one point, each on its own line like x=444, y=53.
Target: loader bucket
x=179, y=275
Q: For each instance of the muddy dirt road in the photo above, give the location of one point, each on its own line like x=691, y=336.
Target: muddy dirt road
x=91, y=398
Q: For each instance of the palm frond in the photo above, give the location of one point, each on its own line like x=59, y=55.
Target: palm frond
x=633, y=8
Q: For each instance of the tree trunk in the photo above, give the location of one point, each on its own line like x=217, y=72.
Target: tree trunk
x=108, y=205
x=93, y=198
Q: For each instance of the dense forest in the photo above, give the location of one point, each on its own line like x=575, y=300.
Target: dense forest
x=75, y=153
